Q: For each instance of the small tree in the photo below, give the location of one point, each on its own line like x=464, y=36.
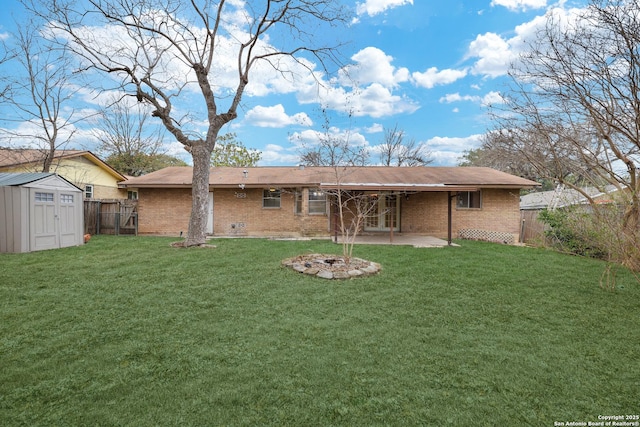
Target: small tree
x=336, y=151
x=231, y=152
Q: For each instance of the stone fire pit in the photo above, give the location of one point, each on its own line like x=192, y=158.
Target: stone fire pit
x=331, y=266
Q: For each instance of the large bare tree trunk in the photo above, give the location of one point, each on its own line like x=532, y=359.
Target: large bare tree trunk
x=199, y=194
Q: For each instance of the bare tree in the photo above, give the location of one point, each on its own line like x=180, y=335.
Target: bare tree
x=128, y=142
x=396, y=151
x=543, y=162
x=39, y=87
x=162, y=51
x=574, y=108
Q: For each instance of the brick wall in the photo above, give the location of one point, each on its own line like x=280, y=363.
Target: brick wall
x=426, y=213
x=235, y=213
x=163, y=211
x=241, y=213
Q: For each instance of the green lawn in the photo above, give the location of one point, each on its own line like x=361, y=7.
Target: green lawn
x=130, y=331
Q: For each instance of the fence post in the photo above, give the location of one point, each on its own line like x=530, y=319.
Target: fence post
x=98, y=216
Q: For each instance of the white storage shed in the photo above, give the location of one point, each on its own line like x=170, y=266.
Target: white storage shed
x=39, y=211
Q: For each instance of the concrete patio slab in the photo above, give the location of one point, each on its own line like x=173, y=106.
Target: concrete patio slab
x=417, y=241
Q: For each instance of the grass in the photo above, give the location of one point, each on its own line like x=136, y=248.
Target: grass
x=129, y=331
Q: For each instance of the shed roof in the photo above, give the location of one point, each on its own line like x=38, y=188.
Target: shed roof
x=15, y=179
x=44, y=180
x=366, y=178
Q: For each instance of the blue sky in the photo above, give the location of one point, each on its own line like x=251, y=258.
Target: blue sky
x=430, y=67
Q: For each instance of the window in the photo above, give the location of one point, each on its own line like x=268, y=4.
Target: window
x=317, y=202
x=88, y=191
x=66, y=198
x=298, y=203
x=44, y=197
x=271, y=198
x=132, y=195
x=469, y=200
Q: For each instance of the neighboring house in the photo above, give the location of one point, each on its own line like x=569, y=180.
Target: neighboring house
x=533, y=203
x=296, y=201
x=564, y=197
x=83, y=169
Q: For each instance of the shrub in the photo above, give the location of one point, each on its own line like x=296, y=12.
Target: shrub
x=573, y=230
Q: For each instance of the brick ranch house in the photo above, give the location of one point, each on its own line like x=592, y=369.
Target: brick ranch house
x=467, y=202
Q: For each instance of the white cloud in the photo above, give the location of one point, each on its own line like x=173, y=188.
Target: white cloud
x=364, y=88
x=376, y=101
x=447, y=151
x=456, y=97
x=522, y=5
x=275, y=117
x=433, y=77
x=491, y=98
x=274, y=154
x=375, y=7
x=310, y=138
x=375, y=128
x=494, y=55
x=373, y=65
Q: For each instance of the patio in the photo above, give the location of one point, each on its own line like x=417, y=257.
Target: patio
x=415, y=240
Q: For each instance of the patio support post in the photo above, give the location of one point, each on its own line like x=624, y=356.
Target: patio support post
x=336, y=218
x=449, y=215
x=391, y=224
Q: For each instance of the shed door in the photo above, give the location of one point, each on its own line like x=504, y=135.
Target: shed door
x=44, y=232
x=55, y=219
x=68, y=218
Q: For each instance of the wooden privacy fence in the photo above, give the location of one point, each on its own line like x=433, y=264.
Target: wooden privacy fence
x=532, y=229
x=112, y=216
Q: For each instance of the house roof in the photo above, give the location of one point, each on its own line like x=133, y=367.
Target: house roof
x=22, y=157
x=365, y=178
x=561, y=198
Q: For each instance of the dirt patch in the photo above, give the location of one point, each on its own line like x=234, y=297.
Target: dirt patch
x=328, y=266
